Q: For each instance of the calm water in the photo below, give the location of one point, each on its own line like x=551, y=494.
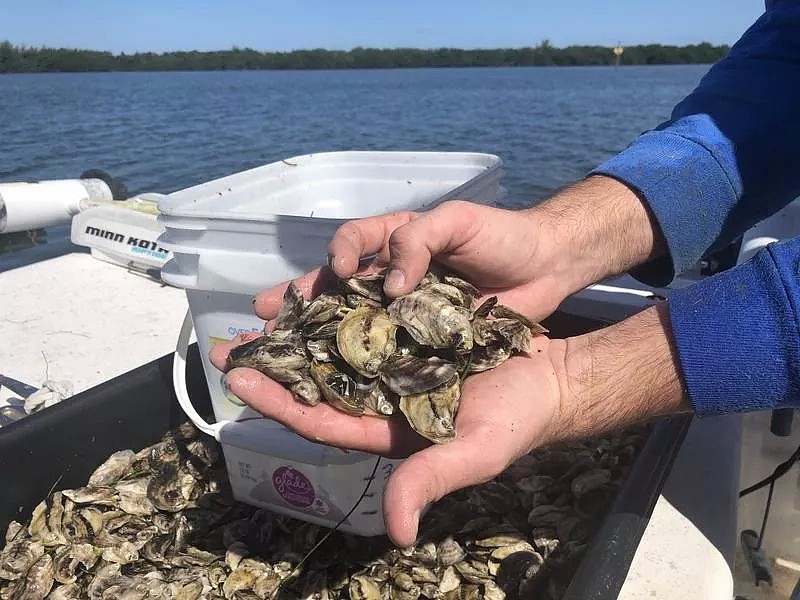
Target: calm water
x=164, y=131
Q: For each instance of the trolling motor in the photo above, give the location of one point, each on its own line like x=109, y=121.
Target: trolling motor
x=28, y=206
x=103, y=216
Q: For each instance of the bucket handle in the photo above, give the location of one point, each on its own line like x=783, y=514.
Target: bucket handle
x=179, y=381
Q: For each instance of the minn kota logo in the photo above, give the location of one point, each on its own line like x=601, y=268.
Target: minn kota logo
x=137, y=244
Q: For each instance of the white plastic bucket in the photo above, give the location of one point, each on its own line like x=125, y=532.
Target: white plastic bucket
x=235, y=236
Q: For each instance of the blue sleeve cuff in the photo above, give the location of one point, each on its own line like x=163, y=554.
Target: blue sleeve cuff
x=684, y=185
x=737, y=334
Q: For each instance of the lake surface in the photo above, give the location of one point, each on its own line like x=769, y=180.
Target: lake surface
x=160, y=132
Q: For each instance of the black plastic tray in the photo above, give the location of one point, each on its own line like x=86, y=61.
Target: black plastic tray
x=58, y=448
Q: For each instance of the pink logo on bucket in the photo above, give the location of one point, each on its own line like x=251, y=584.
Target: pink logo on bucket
x=293, y=486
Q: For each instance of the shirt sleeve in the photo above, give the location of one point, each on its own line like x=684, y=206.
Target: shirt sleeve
x=729, y=156
x=737, y=334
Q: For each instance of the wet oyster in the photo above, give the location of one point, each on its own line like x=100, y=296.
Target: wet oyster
x=293, y=306
x=10, y=414
x=432, y=414
x=324, y=308
x=338, y=388
x=433, y=320
x=280, y=355
x=406, y=374
x=518, y=536
x=365, y=338
x=377, y=398
x=369, y=286
x=361, y=352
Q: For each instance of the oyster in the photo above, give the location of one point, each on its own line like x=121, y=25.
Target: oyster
x=376, y=398
x=280, y=355
x=306, y=390
x=361, y=352
x=319, y=349
x=484, y=358
x=37, y=582
x=465, y=286
x=407, y=375
x=364, y=587
x=433, y=320
x=369, y=286
x=501, y=311
x=432, y=414
x=113, y=469
x=324, y=308
x=9, y=414
x=338, y=388
x=515, y=537
x=19, y=556
x=293, y=306
x=365, y=338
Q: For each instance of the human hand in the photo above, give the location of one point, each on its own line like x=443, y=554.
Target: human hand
x=530, y=259
x=504, y=413
x=502, y=252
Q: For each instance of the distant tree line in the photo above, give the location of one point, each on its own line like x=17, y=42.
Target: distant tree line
x=21, y=59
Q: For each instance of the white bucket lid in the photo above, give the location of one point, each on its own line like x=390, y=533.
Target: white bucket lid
x=333, y=185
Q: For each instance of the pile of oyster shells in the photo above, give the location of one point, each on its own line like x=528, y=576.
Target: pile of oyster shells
x=14, y=408
x=365, y=354
x=162, y=523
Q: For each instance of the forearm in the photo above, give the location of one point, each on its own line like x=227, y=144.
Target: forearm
x=618, y=376
x=599, y=228
x=726, y=344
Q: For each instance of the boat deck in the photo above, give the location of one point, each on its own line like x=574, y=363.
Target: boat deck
x=75, y=318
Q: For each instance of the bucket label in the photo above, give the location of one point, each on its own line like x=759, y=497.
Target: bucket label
x=293, y=486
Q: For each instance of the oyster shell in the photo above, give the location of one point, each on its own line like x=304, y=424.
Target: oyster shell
x=19, y=556
x=9, y=414
x=433, y=320
x=465, y=286
x=484, y=358
x=280, y=356
x=320, y=349
x=293, y=306
x=376, y=398
x=515, y=537
x=336, y=346
x=113, y=469
x=338, y=388
x=323, y=308
x=306, y=390
x=501, y=311
x=364, y=587
x=407, y=374
x=37, y=582
x=432, y=414
x=369, y=285
x=365, y=338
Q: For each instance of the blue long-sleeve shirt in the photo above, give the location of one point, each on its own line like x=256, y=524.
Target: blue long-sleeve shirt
x=728, y=157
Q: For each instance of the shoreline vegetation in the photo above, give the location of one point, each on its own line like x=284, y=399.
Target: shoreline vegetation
x=24, y=59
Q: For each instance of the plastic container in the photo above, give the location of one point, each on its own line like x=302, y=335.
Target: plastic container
x=315, y=483
x=233, y=237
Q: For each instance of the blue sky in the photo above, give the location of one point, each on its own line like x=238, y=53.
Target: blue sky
x=159, y=25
